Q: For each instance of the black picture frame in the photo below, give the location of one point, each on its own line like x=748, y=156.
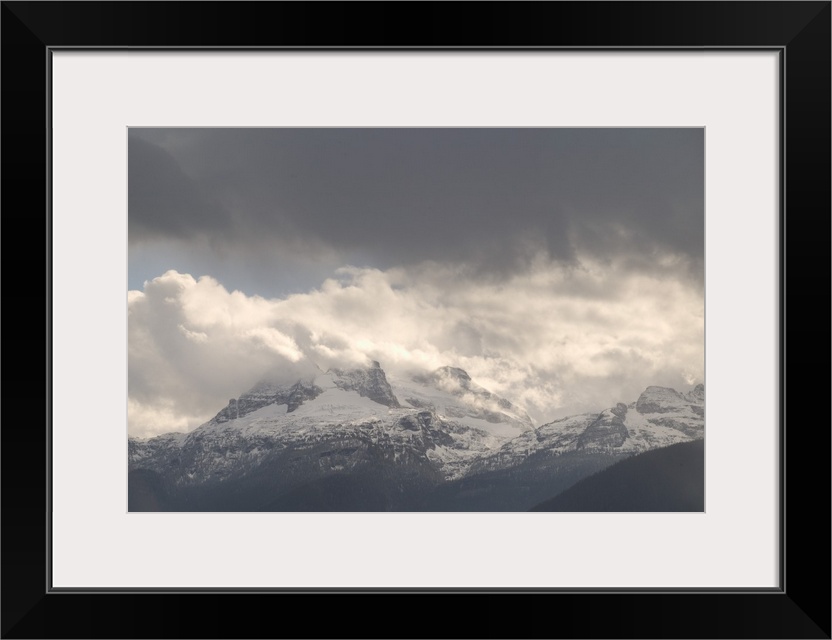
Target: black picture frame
x=799, y=31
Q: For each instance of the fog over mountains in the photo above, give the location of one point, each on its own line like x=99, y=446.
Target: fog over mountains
x=451, y=318
x=359, y=440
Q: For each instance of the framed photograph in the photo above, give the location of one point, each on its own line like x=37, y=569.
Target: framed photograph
x=353, y=315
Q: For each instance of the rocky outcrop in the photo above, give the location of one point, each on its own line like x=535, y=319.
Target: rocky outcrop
x=300, y=393
x=479, y=402
x=693, y=430
x=266, y=393
x=659, y=400
x=697, y=394
x=370, y=383
x=260, y=395
x=606, y=432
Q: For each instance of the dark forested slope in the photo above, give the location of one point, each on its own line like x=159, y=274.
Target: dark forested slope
x=667, y=479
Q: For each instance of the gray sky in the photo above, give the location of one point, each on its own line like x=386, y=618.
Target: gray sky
x=483, y=232
x=238, y=201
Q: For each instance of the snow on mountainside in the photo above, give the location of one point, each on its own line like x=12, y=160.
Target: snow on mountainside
x=443, y=420
x=452, y=394
x=442, y=423
x=660, y=417
x=353, y=396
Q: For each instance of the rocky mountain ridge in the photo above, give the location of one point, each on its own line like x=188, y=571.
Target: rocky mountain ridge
x=425, y=430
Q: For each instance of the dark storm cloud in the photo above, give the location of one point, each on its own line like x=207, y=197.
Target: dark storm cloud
x=163, y=201
x=488, y=198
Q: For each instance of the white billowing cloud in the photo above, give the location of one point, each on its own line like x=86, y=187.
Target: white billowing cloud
x=555, y=339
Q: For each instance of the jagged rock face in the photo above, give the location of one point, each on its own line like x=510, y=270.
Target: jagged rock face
x=667, y=408
x=421, y=420
x=267, y=393
x=690, y=428
x=620, y=409
x=477, y=402
x=606, y=432
x=659, y=400
x=369, y=383
x=300, y=393
x=261, y=395
x=432, y=429
x=697, y=394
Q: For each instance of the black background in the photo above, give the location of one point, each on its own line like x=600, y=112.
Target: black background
x=801, y=609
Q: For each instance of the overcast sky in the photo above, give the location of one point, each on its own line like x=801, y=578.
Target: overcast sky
x=563, y=268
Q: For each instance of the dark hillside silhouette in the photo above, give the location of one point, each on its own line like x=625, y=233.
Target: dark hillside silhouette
x=667, y=479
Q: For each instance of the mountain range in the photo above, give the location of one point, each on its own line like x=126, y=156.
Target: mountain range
x=359, y=440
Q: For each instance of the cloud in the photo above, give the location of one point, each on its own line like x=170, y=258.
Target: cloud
x=555, y=338
x=491, y=199
x=163, y=201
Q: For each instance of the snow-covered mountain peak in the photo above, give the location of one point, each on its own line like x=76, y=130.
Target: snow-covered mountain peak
x=658, y=400
x=370, y=382
x=329, y=423
x=457, y=425
x=697, y=394
x=453, y=375
x=452, y=394
x=451, y=379
x=659, y=418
